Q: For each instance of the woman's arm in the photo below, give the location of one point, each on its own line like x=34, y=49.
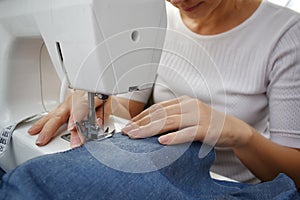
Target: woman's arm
x=121, y=107
x=266, y=159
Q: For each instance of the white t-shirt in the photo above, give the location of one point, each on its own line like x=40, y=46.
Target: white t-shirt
x=251, y=72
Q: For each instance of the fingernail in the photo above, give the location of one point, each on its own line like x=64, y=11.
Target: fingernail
x=163, y=139
x=39, y=142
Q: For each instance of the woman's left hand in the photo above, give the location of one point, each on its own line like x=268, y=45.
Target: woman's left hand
x=188, y=119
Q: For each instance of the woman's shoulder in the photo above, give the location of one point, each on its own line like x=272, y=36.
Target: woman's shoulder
x=279, y=15
x=272, y=21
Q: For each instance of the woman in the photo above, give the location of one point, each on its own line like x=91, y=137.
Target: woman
x=240, y=91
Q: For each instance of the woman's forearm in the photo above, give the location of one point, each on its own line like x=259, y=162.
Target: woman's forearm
x=123, y=107
x=266, y=159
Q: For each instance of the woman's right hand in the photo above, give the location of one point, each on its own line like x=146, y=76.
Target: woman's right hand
x=74, y=106
x=74, y=109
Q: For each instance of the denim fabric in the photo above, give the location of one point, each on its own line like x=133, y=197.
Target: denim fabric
x=78, y=174
x=2, y=172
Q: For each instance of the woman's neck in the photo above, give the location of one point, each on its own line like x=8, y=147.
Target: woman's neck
x=229, y=14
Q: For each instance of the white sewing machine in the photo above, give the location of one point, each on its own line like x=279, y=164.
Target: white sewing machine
x=100, y=46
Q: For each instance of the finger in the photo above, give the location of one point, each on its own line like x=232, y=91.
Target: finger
x=155, y=107
x=170, y=123
x=79, y=112
x=71, y=123
x=49, y=130
x=159, y=113
x=170, y=107
x=76, y=139
x=80, y=97
x=179, y=137
x=187, y=116
x=38, y=126
x=80, y=106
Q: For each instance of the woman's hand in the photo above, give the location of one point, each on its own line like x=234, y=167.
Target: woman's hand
x=47, y=126
x=74, y=109
x=187, y=119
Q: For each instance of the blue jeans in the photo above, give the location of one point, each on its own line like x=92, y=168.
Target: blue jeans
x=106, y=170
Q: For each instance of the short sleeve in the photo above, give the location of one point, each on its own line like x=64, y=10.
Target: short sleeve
x=284, y=89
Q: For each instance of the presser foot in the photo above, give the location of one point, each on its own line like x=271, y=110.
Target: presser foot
x=93, y=132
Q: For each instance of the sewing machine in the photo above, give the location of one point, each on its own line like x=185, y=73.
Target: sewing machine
x=104, y=47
